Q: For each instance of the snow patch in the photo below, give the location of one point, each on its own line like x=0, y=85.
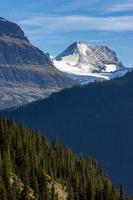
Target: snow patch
x=111, y=68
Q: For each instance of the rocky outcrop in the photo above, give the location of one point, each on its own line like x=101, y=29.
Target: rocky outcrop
x=16, y=49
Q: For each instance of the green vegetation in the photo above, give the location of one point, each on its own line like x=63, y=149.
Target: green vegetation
x=96, y=119
x=32, y=168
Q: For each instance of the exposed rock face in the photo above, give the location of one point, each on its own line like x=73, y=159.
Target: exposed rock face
x=16, y=49
x=26, y=73
x=11, y=29
x=20, y=52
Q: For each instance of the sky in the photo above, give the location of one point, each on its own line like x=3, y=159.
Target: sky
x=52, y=25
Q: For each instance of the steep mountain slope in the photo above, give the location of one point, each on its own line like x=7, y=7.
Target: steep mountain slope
x=26, y=73
x=87, y=63
x=95, y=119
x=29, y=169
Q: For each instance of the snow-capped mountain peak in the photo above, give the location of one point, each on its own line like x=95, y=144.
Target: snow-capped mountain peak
x=87, y=63
x=89, y=58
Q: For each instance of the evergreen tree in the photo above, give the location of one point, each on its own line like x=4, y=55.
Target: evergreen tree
x=30, y=166
x=53, y=195
x=3, y=194
x=122, y=195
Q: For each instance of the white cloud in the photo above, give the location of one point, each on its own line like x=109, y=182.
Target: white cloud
x=78, y=23
x=121, y=7
x=64, y=6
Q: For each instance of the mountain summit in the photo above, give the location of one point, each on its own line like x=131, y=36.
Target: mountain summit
x=26, y=73
x=81, y=59
x=11, y=29
x=16, y=49
x=90, y=58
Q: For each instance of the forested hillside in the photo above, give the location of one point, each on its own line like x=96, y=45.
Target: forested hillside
x=32, y=168
x=96, y=119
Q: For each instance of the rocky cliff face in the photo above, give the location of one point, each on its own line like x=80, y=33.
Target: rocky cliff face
x=19, y=52
x=16, y=49
x=11, y=29
x=26, y=73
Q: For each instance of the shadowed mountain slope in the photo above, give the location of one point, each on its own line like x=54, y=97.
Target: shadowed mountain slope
x=95, y=119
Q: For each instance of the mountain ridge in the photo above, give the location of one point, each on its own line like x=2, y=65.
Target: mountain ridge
x=8, y=28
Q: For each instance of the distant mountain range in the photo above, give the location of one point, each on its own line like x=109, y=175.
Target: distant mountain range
x=27, y=74
x=94, y=119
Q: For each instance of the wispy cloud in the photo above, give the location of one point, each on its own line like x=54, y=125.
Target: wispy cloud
x=122, y=7
x=61, y=7
x=79, y=4
x=78, y=23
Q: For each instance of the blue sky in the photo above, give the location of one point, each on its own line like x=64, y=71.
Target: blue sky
x=52, y=25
